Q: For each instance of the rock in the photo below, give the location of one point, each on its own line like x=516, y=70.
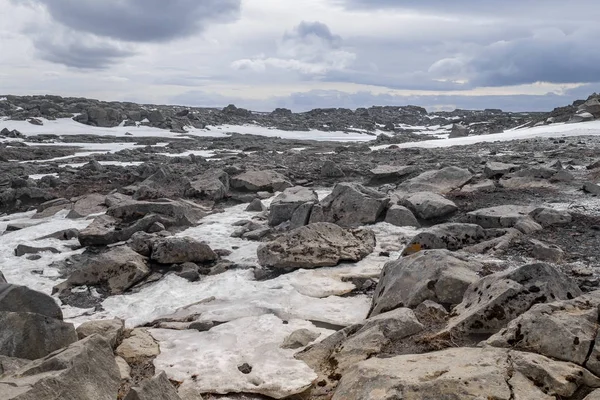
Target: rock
x=496, y=170
x=316, y=245
x=401, y=216
x=22, y=250
x=299, y=338
x=435, y=275
x=66, y=234
x=428, y=205
x=138, y=347
x=562, y=176
x=180, y=212
x=546, y=252
x=592, y=106
x=329, y=169
x=84, y=370
x=431, y=311
x=440, y=181
x=32, y=336
x=157, y=388
x=257, y=234
x=493, y=301
x=189, y=271
x=459, y=131
x=528, y=226
x=595, y=395
x=591, y=188
x=211, y=185
x=21, y=299
x=484, y=186
x=549, y=216
x=256, y=206
x=283, y=206
x=124, y=368
x=594, y=165
x=2, y=278
x=105, y=230
x=451, y=236
x=118, y=269
x=340, y=351
x=9, y=365
x=350, y=205
x=156, y=117
x=88, y=205
x=573, y=328
x=256, y=181
x=390, y=173
x=109, y=329
x=498, y=217
x=301, y=215
x=464, y=373
x=177, y=250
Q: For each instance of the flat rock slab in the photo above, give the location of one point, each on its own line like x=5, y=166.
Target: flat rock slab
x=499, y=217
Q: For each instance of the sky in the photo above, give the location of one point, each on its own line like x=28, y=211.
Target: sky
x=518, y=55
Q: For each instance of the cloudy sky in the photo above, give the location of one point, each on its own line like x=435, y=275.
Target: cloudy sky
x=261, y=54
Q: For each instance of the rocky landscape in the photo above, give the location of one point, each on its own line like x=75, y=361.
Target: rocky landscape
x=165, y=252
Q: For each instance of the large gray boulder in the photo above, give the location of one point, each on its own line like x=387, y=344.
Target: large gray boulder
x=550, y=217
x=493, y=301
x=316, y=245
x=285, y=204
x=105, y=230
x=401, y=216
x=499, y=217
x=84, y=370
x=450, y=236
x=350, y=205
x=211, y=185
x=258, y=181
x=15, y=298
x=439, y=181
x=464, y=373
x=390, y=173
x=573, y=325
x=87, y=205
x=591, y=106
x=179, y=212
x=179, y=250
x=435, y=275
x=110, y=329
x=157, y=388
x=31, y=336
x=459, y=131
x=118, y=269
x=428, y=205
x=495, y=170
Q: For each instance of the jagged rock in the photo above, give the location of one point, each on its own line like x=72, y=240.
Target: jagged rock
x=105, y=230
x=591, y=188
x=401, y=216
x=498, y=217
x=546, y=252
x=256, y=206
x=439, y=181
x=177, y=250
x=299, y=338
x=211, y=185
x=459, y=131
x=22, y=250
x=117, y=269
x=591, y=106
x=84, y=370
x=350, y=205
x=493, y=301
x=431, y=311
x=464, y=373
x=549, y=216
x=29, y=335
x=21, y=299
x=256, y=181
x=428, y=205
x=257, y=234
x=484, y=186
x=390, y=173
x=573, y=325
x=110, y=329
x=451, y=236
x=435, y=275
x=139, y=346
x=329, y=169
x=180, y=212
x=316, y=245
x=285, y=204
x=301, y=215
x=9, y=365
x=157, y=388
x=495, y=170
x=87, y=205
x=2, y=278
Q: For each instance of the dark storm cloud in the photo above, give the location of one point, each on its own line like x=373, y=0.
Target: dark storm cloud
x=78, y=54
x=140, y=20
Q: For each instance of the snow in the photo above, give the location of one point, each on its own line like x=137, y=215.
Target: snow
x=335, y=136
x=113, y=163
x=89, y=149
x=36, y=177
x=548, y=131
x=212, y=358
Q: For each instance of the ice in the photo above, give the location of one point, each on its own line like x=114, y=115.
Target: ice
x=36, y=274
x=207, y=362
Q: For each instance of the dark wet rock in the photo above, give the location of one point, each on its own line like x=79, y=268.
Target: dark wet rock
x=390, y=173
x=329, y=169
x=177, y=250
x=401, y=216
x=14, y=298
x=211, y=185
x=283, y=206
x=256, y=206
